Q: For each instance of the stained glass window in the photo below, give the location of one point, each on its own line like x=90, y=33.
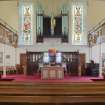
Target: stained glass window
x=77, y=24
x=26, y=26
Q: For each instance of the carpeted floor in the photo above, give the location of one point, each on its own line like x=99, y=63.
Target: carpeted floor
x=37, y=79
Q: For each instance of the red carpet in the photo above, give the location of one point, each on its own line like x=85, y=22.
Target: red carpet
x=37, y=79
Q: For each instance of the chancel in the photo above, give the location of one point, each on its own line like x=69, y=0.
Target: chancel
x=52, y=52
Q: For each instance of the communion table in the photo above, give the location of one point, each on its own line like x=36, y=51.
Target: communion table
x=52, y=72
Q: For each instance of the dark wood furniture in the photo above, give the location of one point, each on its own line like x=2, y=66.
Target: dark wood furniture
x=72, y=62
x=32, y=62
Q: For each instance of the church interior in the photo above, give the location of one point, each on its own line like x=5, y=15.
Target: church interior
x=52, y=52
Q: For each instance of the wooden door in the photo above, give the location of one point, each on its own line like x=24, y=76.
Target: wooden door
x=30, y=63
x=82, y=64
x=74, y=64
x=23, y=63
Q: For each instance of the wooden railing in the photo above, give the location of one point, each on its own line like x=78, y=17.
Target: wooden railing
x=8, y=35
x=96, y=32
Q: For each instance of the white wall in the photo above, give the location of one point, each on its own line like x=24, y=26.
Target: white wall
x=9, y=12
x=97, y=51
x=103, y=47
x=8, y=51
x=18, y=52
x=14, y=54
x=95, y=12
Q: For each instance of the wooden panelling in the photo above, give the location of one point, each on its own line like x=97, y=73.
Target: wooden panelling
x=32, y=62
x=72, y=62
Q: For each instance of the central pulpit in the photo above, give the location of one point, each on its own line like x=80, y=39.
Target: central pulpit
x=52, y=72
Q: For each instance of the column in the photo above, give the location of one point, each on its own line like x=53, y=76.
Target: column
x=4, y=66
